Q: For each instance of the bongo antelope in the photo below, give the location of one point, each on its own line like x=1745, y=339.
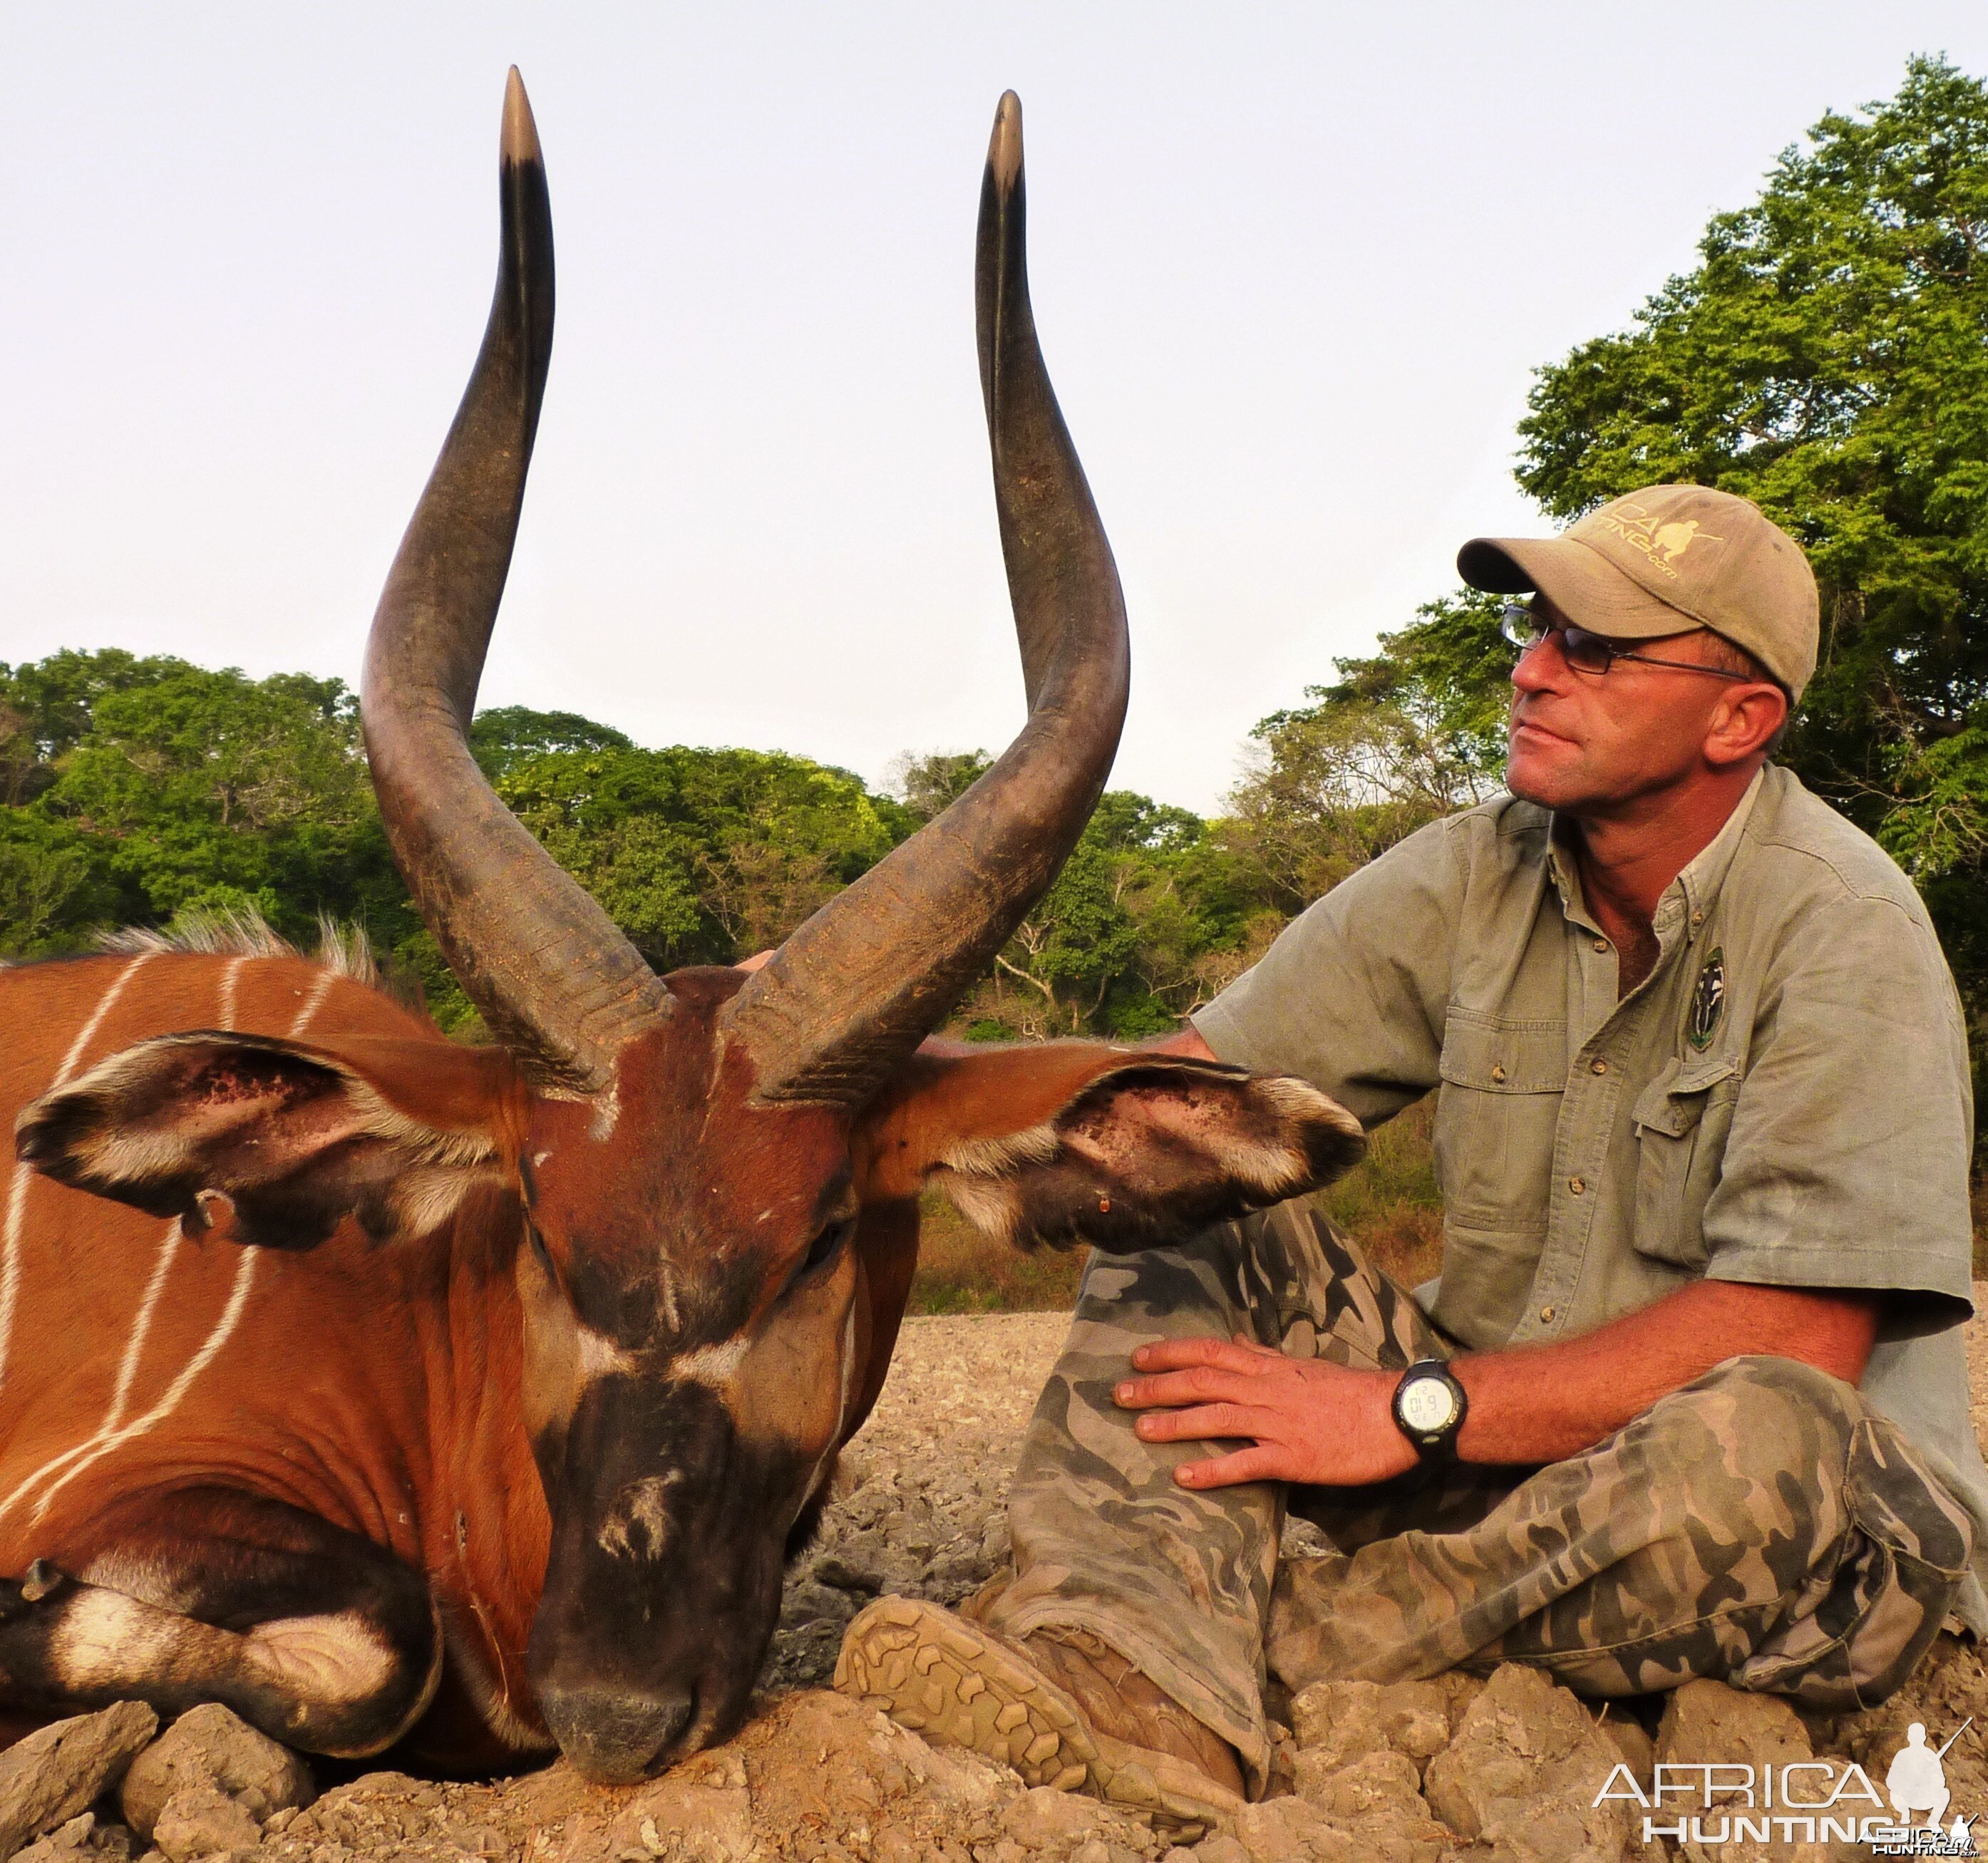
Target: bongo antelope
x=390, y=1390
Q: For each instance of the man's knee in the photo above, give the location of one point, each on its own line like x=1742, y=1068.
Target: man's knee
x=1758, y=1429
x=1782, y=1431
x=1758, y=1379
x=1792, y=1490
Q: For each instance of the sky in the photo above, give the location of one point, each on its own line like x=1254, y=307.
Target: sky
x=1293, y=267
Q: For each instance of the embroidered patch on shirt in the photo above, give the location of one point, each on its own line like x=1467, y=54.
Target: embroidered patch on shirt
x=1707, y=1000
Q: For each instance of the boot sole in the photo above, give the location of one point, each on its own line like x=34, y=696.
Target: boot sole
x=951, y=1682
x=959, y=1686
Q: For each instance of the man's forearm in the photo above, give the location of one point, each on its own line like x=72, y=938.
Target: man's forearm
x=1539, y=1404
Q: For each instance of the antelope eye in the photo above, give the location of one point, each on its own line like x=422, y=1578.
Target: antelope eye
x=823, y=1250
x=538, y=1249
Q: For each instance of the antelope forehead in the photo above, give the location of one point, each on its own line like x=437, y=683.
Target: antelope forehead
x=598, y=1356
x=714, y=1366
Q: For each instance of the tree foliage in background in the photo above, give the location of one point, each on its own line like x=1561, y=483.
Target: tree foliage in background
x=701, y=856
x=1415, y=731
x=1152, y=913
x=141, y=792
x=140, y=789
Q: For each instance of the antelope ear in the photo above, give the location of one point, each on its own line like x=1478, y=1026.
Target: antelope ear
x=1136, y=1149
x=273, y=1143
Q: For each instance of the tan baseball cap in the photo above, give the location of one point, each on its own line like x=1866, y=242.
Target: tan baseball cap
x=1665, y=559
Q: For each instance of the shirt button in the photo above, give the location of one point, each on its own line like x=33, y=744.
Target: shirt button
x=1498, y=1074
x=1698, y=918
x=1597, y=1067
x=1546, y=1314
x=1602, y=944
x=1578, y=1185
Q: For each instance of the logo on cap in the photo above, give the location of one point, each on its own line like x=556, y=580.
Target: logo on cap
x=1661, y=544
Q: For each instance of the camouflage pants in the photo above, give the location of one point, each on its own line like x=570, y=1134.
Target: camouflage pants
x=1761, y=1527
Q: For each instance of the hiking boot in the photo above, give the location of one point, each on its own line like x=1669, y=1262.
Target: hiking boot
x=1061, y=1707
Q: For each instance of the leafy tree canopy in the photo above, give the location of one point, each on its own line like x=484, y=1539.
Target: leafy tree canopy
x=504, y=737
x=1412, y=732
x=930, y=785
x=141, y=791
x=701, y=856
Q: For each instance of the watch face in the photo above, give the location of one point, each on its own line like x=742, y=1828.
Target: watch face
x=1426, y=1404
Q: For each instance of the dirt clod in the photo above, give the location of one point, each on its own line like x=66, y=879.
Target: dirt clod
x=81, y=1840
x=210, y=1748
x=201, y=1821
x=1522, y=1773
x=60, y=1770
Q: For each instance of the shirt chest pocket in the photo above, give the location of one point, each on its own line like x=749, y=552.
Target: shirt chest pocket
x=1682, y=1120
x=1499, y=1107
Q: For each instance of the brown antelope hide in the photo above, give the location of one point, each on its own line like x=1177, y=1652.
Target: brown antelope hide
x=393, y=1390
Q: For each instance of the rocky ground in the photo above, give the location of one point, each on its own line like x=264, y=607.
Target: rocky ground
x=1457, y=1770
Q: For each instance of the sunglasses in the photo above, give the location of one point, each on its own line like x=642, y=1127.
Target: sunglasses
x=1585, y=652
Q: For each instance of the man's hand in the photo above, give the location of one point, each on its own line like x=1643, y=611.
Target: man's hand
x=1300, y=1419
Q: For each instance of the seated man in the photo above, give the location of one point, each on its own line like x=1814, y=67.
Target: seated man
x=1688, y=1399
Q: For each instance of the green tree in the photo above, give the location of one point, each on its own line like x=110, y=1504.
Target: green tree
x=1151, y=914
x=504, y=737
x=929, y=785
x=141, y=789
x=701, y=856
x=1413, y=732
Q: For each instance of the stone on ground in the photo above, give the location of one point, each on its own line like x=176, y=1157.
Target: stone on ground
x=1708, y=1723
x=1521, y=1777
x=201, y=1820
x=62, y=1769
x=211, y=1748
x=81, y=1840
x=1336, y=1722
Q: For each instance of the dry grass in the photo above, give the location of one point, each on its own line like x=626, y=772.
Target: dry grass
x=1389, y=1206
x=961, y=1272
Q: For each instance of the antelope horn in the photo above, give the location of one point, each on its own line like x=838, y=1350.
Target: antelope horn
x=857, y=986
x=555, y=979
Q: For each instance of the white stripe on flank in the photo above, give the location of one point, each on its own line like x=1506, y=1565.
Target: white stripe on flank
x=314, y=1002
x=17, y=1192
x=237, y=1299
x=143, y=1325
x=96, y=1016
x=133, y=1350
x=229, y=978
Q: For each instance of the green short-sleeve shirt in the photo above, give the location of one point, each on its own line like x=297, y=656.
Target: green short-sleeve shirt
x=1784, y=1099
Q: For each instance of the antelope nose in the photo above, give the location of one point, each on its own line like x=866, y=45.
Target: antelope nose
x=613, y=1736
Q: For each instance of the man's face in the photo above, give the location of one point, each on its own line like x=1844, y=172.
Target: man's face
x=1587, y=743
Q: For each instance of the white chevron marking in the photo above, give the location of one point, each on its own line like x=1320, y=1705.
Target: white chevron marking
x=17, y=1192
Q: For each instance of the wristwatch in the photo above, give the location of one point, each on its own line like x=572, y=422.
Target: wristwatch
x=1429, y=1409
